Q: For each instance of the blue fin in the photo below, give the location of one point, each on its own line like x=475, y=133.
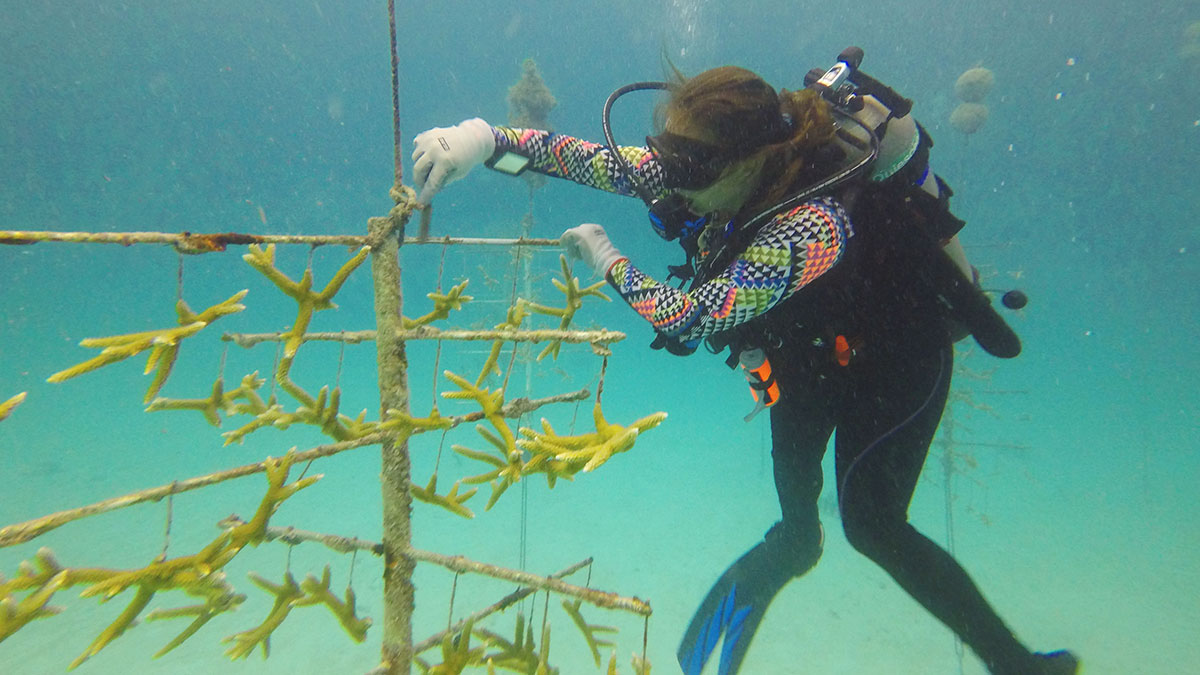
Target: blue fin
x=725, y=620
x=732, y=635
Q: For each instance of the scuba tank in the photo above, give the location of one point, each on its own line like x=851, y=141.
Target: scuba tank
x=887, y=155
x=882, y=120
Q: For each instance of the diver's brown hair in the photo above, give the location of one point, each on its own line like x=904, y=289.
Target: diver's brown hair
x=736, y=110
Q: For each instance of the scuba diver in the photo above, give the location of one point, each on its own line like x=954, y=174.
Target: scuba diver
x=821, y=251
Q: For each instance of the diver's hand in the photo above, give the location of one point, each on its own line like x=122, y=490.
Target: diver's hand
x=442, y=155
x=589, y=243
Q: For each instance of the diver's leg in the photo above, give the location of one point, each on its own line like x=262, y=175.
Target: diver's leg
x=880, y=452
x=737, y=602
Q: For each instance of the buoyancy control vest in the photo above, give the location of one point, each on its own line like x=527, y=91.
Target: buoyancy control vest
x=897, y=282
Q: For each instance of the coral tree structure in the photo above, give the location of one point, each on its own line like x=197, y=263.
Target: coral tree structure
x=200, y=575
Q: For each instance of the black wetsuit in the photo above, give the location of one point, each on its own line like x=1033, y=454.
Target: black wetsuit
x=883, y=408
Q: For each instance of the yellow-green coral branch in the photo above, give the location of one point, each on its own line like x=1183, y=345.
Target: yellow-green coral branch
x=520, y=655
x=14, y=615
x=219, y=598
x=119, y=625
x=301, y=291
x=210, y=407
x=321, y=412
x=405, y=425
x=10, y=405
x=574, y=300
x=457, y=653
x=451, y=501
x=286, y=595
x=443, y=304
x=318, y=593
x=512, y=322
x=197, y=573
x=586, y=452
x=589, y=630
x=163, y=344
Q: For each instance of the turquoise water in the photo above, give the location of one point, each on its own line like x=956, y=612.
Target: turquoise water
x=1073, y=511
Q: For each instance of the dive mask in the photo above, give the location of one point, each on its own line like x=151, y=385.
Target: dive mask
x=689, y=164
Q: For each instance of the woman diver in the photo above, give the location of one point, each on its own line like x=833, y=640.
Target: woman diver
x=842, y=325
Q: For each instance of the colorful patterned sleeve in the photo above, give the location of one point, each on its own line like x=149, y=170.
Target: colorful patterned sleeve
x=581, y=161
x=794, y=248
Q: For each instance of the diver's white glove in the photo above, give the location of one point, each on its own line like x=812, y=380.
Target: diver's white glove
x=442, y=155
x=589, y=243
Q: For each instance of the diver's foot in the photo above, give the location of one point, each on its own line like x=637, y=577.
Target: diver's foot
x=1061, y=662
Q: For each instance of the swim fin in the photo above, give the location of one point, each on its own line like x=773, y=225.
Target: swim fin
x=735, y=606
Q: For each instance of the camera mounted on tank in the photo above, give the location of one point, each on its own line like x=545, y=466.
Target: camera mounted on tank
x=844, y=85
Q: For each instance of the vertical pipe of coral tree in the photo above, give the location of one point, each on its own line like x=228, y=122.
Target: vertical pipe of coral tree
x=386, y=235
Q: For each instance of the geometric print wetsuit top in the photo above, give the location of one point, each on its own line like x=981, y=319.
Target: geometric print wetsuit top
x=793, y=248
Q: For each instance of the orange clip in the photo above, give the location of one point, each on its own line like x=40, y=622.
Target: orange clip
x=771, y=390
x=844, y=348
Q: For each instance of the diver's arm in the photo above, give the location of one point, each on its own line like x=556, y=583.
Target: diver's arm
x=796, y=247
x=584, y=162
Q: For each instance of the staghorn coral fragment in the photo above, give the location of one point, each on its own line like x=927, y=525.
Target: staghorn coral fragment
x=492, y=404
x=519, y=655
x=589, y=630
x=7, y=407
x=252, y=531
x=301, y=291
x=219, y=598
x=543, y=665
x=575, y=295
x=451, y=501
x=405, y=425
x=321, y=412
x=163, y=344
x=198, y=574
x=457, y=653
x=123, y=621
x=443, y=304
x=318, y=593
x=516, y=316
x=286, y=596
x=15, y=615
x=585, y=452
x=194, y=573
x=210, y=407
